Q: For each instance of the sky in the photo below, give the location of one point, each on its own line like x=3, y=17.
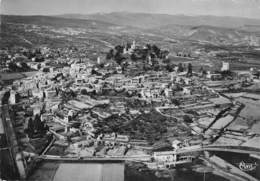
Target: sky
x=238, y=8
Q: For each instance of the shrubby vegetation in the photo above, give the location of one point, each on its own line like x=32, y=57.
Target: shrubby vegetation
x=150, y=126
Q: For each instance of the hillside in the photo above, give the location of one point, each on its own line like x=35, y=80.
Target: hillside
x=204, y=29
x=31, y=31
x=54, y=21
x=144, y=20
x=117, y=28
x=210, y=34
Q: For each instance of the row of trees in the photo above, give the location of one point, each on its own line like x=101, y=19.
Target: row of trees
x=149, y=56
x=36, y=126
x=180, y=68
x=15, y=68
x=151, y=51
x=116, y=54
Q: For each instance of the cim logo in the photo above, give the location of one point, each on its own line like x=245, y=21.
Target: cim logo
x=247, y=167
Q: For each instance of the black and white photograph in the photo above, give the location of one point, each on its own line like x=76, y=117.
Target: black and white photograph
x=130, y=90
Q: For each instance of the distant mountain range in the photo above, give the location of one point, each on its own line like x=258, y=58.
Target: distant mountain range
x=210, y=29
x=209, y=34
x=54, y=21
x=145, y=20
x=113, y=28
x=29, y=31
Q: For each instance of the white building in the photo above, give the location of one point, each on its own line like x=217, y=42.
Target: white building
x=165, y=156
x=12, y=99
x=186, y=91
x=99, y=60
x=133, y=45
x=131, y=49
x=168, y=92
x=225, y=66
x=176, y=144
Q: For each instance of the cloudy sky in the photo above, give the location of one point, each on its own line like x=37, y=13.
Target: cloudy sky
x=241, y=8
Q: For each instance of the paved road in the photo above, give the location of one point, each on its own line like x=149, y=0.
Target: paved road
x=2, y=131
x=224, y=148
x=10, y=149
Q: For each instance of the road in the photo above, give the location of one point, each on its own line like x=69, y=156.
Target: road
x=10, y=149
x=224, y=148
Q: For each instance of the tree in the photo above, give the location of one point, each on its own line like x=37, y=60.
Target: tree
x=13, y=67
x=124, y=66
x=187, y=119
x=119, y=58
x=37, y=123
x=30, y=128
x=189, y=72
x=149, y=47
x=176, y=102
x=133, y=57
x=180, y=67
x=39, y=58
x=119, y=49
x=156, y=67
x=5, y=98
x=169, y=68
x=156, y=50
x=110, y=54
x=128, y=45
x=25, y=67
x=84, y=92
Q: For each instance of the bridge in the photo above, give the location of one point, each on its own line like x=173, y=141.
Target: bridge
x=140, y=158
x=109, y=159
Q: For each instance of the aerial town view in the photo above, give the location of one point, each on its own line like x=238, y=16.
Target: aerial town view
x=135, y=90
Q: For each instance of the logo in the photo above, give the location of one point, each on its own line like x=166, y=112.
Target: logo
x=247, y=167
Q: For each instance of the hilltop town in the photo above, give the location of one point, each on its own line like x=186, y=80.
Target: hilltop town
x=132, y=102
